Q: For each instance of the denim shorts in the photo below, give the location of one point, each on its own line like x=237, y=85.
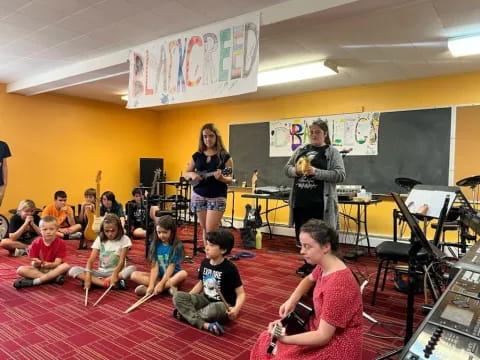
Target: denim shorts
x=200, y=203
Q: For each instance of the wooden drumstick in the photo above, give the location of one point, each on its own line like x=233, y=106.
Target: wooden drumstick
x=86, y=297
x=103, y=295
x=227, y=306
x=139, y=302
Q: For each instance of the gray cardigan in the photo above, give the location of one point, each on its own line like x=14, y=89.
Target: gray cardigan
x=334, y=174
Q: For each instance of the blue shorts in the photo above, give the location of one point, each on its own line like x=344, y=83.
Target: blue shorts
x=200, y=203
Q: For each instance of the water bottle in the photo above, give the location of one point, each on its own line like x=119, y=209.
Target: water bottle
x=258, y=240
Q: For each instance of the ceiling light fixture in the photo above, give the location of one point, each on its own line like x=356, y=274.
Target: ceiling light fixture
x=297, y=72
x=464, y=46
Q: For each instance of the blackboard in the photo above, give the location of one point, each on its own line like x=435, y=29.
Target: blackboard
x=413, y=144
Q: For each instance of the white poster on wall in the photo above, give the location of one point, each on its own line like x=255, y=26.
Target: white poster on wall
x=213, y=61
x=357, y=133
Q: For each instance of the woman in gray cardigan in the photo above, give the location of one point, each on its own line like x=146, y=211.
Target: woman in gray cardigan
x=314, y=193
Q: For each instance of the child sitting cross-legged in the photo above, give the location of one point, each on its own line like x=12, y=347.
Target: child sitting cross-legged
x=165, y=256
x=111, y=246
x=223, y=293
x=46, y=253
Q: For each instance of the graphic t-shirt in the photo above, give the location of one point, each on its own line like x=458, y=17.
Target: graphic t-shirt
x=40, y=250
x=309, y=191
x=16, y=223
x=163, y=257
x=4, y=153
x=137, y=212
x=224, y=276
x=110, y=252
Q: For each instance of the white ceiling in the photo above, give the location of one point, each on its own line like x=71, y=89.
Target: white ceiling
x=64, y=45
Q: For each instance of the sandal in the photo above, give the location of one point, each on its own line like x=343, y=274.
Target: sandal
x=178, y=316
x=246, y=254
x=215, y=328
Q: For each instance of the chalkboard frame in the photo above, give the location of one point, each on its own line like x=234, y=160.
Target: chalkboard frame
x=411, y=143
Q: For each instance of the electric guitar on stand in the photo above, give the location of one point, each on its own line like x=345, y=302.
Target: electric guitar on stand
x=94, y=220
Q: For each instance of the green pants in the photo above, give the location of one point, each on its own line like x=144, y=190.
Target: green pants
x=197, y=309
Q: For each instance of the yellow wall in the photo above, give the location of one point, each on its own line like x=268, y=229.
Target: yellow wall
x=59, y=142
x=180, y=127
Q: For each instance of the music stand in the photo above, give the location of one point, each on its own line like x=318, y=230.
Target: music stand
x=419, y=241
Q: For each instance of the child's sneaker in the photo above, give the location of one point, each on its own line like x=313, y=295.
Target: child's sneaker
x=141, y=290
x=121, y=285
x=20, y=252
x=75, y=236
x=22, y=282
x=60, y=280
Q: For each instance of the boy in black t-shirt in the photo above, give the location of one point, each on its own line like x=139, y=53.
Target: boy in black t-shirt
x=136, y=215
x=223, y=294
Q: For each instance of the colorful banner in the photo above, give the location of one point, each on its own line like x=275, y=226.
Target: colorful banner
x=214, y=61
x=358, y=132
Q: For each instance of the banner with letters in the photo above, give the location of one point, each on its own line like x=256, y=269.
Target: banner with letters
x=213, y=61
x=358, y=132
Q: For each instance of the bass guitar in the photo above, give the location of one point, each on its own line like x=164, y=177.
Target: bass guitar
x=94, y=220
x=205, y=175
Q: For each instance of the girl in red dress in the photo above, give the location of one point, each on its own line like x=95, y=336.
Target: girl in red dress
x=335, y=330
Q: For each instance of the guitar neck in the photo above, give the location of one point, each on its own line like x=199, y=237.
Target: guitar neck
x=97, y=201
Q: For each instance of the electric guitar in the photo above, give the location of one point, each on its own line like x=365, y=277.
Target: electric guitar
x=205, y=174
x=252, y=217
x=94, y=220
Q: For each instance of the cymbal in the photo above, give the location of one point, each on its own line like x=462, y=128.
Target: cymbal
x=471, y=181
x=406, y=183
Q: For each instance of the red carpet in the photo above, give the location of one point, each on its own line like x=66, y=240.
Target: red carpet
x=50, y=321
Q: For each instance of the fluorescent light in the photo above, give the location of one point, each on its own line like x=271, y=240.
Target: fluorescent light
x=464, y=46
x=124, y=97
x=297, y=72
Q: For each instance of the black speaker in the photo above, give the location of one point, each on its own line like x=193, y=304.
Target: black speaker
x=147, y=169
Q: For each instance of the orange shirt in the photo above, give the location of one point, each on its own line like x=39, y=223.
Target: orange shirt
x=60, y=215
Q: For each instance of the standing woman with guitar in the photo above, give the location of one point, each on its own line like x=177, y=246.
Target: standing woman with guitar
x=334, y=331
x=316, y=168
x=210, y=169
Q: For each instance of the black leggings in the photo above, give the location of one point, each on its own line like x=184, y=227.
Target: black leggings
x=302, y=214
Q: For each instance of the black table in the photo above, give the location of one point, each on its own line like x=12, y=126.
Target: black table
x=360, y=219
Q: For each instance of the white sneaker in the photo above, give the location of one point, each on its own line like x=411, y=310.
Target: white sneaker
x=75, y=235
x=20, y=252
x=173, y=290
